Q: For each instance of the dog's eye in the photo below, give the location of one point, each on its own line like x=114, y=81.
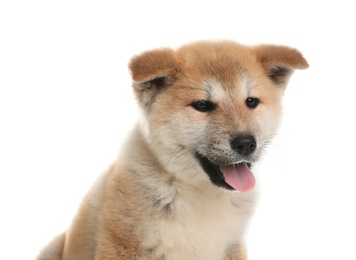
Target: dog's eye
x=203, y=105
x=252, y=102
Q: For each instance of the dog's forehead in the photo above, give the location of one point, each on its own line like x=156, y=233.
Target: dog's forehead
x=222, y=65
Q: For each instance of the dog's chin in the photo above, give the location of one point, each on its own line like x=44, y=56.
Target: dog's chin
x=216, y=176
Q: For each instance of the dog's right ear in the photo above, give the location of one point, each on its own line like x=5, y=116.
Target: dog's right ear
x=151, y=72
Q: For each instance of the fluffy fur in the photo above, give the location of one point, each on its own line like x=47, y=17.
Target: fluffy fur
x=165, y=197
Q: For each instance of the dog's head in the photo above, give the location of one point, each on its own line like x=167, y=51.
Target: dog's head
x=213, y=106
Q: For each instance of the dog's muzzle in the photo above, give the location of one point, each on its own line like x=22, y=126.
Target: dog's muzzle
x=234, y=176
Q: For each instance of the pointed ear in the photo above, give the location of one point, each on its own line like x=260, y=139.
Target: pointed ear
x=279, y=62
x=151, y=72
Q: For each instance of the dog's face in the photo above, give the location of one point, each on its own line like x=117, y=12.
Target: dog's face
x=213, y=106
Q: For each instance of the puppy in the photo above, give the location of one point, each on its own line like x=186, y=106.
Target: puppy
x=183, y=184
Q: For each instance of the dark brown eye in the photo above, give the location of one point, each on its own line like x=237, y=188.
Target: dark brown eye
x=203, y=105
x=252, y=102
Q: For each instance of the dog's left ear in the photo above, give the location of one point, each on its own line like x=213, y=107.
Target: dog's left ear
x=151, y=72
x=279, y=62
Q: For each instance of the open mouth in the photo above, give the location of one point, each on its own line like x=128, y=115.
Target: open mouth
x=232, y=177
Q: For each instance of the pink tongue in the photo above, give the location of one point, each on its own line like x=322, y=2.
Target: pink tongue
x=239, y=177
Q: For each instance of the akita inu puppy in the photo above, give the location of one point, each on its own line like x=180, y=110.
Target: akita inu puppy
x=182, y=186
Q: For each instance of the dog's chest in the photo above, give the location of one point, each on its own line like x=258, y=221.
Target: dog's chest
x=197, y=229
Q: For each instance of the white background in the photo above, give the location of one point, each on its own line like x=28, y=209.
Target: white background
x=66, y=104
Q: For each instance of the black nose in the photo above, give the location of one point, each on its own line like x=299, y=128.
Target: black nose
x=244, y=144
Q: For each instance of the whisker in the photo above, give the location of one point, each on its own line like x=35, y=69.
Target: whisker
x=176, y=150
x=266, y=151
x=254, y=78
x=187, y=160
x=261, y=83
x=178, y=153
x=212, y=188
x=271, y=148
